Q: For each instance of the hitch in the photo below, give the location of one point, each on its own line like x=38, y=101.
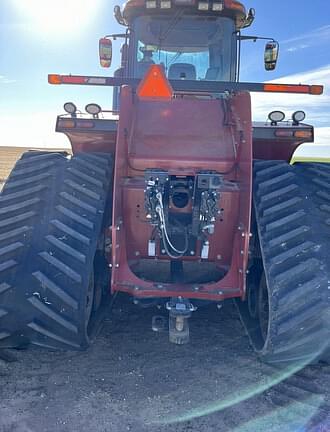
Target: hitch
x=180, y=310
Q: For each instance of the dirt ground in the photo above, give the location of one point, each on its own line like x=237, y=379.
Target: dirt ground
x=133, y=379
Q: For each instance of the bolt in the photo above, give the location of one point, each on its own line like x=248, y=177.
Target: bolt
x=196, y=288
x=135, y=301
x=242, y=252
x=136, y=288
x=110, y=265
x=240, y=271
x=243, y=234
x=247, y=272
x=219, y=306
x=219, y=257
x=118, y=228
x=163, y=251
x=250, y=235
x=117, y=265
x=137, y=253
x=192, y=252
x=220, y=292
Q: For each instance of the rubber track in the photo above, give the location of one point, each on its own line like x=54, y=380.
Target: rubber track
x=48, y=237
x=292, y=208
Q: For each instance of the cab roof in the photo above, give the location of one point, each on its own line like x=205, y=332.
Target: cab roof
x=227, y=8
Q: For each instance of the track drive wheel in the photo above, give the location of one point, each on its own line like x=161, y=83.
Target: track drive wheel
x=289, y=282
x=51, y=214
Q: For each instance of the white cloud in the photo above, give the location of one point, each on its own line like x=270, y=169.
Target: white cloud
x=317, y=108
x=5, y=80
x=314, y=37
x=35, y=130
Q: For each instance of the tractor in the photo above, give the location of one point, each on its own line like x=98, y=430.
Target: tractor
x=174, y=196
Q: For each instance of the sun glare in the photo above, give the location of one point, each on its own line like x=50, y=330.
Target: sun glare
x=60, y=17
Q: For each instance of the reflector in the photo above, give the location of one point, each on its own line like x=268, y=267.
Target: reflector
x=294, y=88
x=54, y=79
x=283, y=133
x=85, y=124
x=66, y=124
x=303, y=134
x=316, y=90
x=155, y=84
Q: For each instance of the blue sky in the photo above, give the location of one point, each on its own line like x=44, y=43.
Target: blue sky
x=62, y=37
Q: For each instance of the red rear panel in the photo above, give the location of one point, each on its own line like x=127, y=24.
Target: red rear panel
x=183, y=136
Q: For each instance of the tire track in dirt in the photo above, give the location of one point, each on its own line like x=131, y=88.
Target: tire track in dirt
x=133, y=379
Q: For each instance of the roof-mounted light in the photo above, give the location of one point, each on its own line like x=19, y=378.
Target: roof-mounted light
x=165, y=4
x=217, y=6
x=151, y=4
x=275, y=117
x=70, y=108
x=93, y=109
x=203, y=6
x=298, y=117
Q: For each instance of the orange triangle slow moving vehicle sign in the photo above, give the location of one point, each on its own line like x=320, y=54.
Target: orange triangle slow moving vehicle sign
x=155, y=85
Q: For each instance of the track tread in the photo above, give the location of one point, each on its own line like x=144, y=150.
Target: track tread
x=48, y=239
x=65, y=229
x=21, y=194
x=75, y=217
x=294, y=247
x=52, y=287
x=76, y=186
x=74, y=200
x=65, y=248
x=55, y=316
x=4, y=287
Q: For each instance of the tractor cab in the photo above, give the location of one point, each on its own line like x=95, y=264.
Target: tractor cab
x=192, y=40
x=189, y=47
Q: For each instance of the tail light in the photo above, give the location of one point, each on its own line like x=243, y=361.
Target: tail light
x=66, y=124
x=304, y=134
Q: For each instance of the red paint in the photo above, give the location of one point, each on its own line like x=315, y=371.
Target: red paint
x=275, y=149
x=155, y=85
x=183, y=136
x=92, y=141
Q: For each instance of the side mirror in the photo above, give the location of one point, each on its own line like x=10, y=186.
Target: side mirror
x=271, y=55
x=105, y=52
